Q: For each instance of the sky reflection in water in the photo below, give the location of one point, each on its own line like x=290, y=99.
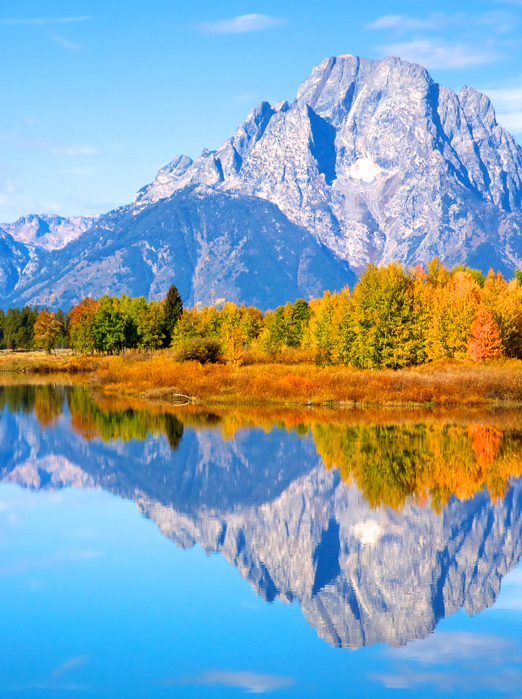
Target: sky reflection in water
x=96, y=599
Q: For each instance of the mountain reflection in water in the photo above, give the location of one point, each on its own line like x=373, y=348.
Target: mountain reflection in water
x=415, y=515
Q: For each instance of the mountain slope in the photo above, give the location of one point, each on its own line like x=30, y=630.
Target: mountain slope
x=212, y=245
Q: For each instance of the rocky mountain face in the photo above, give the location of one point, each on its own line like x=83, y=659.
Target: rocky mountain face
x=48, y=232
x=380, y=163
x=372, y=162
x=294, y=530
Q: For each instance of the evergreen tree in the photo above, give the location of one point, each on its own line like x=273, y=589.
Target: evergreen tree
x=173, y=308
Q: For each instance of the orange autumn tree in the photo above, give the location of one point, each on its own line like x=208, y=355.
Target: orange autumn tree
x=485, y=342
x=80, y=325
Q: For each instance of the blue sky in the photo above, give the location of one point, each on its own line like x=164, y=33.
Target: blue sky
x=97, y=95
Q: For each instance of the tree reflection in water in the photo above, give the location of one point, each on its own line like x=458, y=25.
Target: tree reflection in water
x=404, y=460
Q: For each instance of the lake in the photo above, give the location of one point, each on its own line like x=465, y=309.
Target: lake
x=156, y=552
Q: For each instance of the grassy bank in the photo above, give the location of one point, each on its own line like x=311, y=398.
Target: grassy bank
x=159, y=377
x=40, y=362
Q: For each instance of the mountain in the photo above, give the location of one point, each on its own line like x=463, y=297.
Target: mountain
x=215, y=246
x=48, y=232
x=372, y=162
x=294, y=530
x=380, y=163
x=24, y=243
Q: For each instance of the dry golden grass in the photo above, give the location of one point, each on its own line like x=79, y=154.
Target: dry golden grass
x=450, y=383
x=158, y=376
x=40, y=362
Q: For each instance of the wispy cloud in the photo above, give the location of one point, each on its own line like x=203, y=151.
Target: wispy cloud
x=498, y=21
x=455, y=646
x=440, y=53
x=241, y=24
x=81, y=171
x=76, y=661
x=74, y=150
x=251, y=682
x=55, y=681
x=47, y=23
x=506, y=99
x=65, y=43
x=23, y=142
x=45, y=20
x=508, y=107
x=483, y=661
x=405, y=23
x=245, y=97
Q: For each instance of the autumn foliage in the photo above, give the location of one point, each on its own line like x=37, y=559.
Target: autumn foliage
x=393, y=318
x=485, y=341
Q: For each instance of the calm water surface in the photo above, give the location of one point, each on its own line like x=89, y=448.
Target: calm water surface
x=160, y=554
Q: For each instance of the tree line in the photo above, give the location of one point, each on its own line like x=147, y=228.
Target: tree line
x=394, y=317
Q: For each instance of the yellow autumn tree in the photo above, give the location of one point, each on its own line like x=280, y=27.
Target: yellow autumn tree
x=46, y=330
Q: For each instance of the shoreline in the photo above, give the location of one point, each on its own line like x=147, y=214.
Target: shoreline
x=158, y=377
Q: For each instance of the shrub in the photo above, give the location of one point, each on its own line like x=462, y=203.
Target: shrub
x=205, y=350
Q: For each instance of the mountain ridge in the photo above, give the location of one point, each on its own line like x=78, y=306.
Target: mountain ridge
x=373, y=161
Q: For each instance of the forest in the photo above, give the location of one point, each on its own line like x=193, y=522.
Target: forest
x=394, y=317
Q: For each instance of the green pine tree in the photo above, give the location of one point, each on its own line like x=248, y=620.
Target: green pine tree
x=173, y=308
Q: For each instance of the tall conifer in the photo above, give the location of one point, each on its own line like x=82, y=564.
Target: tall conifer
x=173, y=308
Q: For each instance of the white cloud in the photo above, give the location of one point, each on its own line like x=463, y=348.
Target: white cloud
x=251, y=682
x=439, y=53
x=241, y=24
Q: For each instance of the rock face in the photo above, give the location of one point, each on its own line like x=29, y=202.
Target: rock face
x=380, y=163
x=294, y=530
x=48, y=232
